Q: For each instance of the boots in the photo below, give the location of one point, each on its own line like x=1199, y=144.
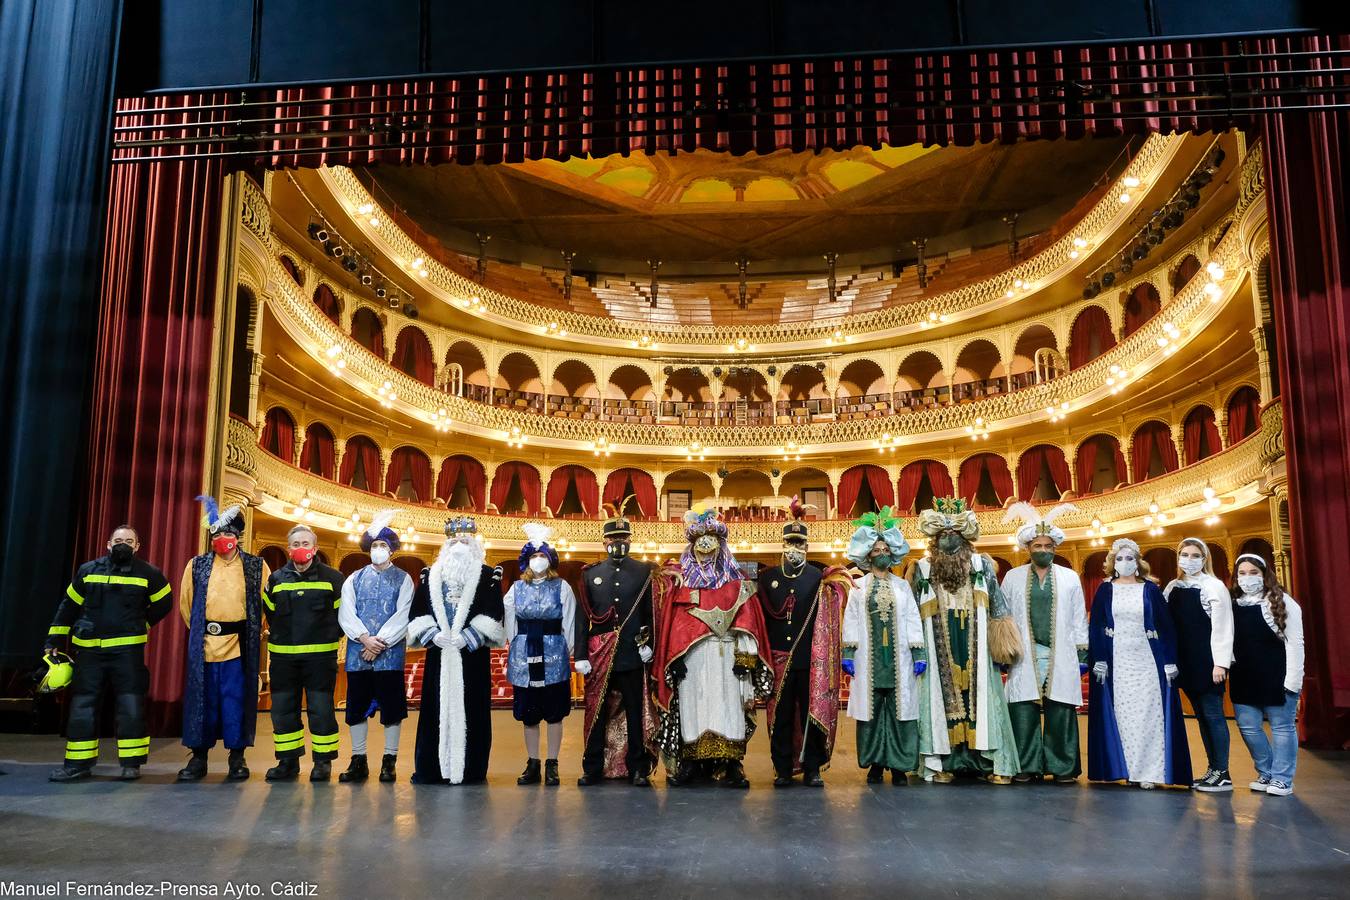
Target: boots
x=682, y=776
x=238, y=767
x=67, y=774
x=358, y=770
x=811, y=778
x=284, y=770
x=195, y=770
x=531, y=773
x=551, y=773
x=388, y=765
x=590, y=778
x=875, y=774
x=129, y=773
x=322, y=770
x=781, y=780
x=734, y=776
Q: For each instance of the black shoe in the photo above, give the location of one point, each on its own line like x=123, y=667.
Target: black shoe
x=551, y=773
x=813, y=779
x=734, y=776
x=238, y=767
x=682, y=776
x=129, y=773
x=590, y=778
x=358, y=770
x=876, y=774
x=531, y=773
x=1214, y=782
x=898, y=778
x=388, y=768
x=67, y=774
x=322, y=770
x=284, y=770
x=195, y=770
x=641, y=780
x=782, y=781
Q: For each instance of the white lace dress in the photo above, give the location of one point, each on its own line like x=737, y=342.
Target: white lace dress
x=1135, y=690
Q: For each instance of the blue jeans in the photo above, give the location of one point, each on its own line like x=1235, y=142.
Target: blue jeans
x=1277, y=755
x=1213, y=727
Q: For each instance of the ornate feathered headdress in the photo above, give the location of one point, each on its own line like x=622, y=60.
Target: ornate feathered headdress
x=950, y=514
x=883, y=525
x=795, y=529
x=616, y=524
x=379, y=530
x=536, y=541
x=216, y=520
x=1035, y=525
x=703, y=520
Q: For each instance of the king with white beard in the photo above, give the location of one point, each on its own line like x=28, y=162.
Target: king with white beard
x=457, y=615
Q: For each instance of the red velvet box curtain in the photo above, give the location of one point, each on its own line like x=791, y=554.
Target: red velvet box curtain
x=324, y=298
x=1200, y=423
x=1146, y=438
x=972, y=471
x=278, y=434
x=878, y=483
x=1032, y=462
x=1244, y=414
x=911, y=479
x=411, y=462
x=1090, y=336
x=364, y=449
x=412, y=355
x=1087, y=462
x=528, y=478
x=318, y=447
x=475, y=479
x=588, y=490
x=644, y=491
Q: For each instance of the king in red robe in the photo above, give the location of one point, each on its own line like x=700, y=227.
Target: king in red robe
x=712, y=658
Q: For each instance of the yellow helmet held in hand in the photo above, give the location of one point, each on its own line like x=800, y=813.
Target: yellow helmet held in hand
x=60, y=672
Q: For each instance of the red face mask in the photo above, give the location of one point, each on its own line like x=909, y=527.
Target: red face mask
x=224, y=544
x=302, y=555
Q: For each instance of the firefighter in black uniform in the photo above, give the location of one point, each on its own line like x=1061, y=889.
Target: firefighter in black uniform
x=615, y=597
x=107, y=613
x=787, y=593
x=301, y=602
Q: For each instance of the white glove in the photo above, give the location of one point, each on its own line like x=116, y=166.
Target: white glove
x=645, y=653
x=1170, y=671
x=582, y=666
x=1099, y=671
x=449, y=641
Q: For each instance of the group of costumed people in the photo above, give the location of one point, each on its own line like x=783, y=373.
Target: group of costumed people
x=953, y=672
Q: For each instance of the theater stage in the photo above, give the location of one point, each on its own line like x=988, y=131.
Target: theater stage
x=501, y=840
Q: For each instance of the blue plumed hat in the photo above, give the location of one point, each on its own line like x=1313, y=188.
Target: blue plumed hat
x=379, y=530
x=217, y=521
x=537, y=535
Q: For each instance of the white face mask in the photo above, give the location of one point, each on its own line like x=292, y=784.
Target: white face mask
x=1251, y=584
x=379, y=555
x=539, y=565
x=1192, y=565
x=1126, y=566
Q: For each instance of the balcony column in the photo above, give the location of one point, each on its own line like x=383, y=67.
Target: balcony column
x=1263, y=365
x=659, y=480
x=1127, y=449
x=1179, y=442
x=386, y=458
x=298, y=442
x=437, y=460
x=545, y=475
x=1071, y=456
x=1221, y=422
x=339, y=451
x=834, y=475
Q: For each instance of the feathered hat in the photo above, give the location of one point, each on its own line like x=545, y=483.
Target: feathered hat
x=795, y=529
x=701, y=520
x=1035, y=525
x=950, y=514
x=217, y=521
x=883, y=525
x=536, y=541
x=616, y=523
x=379, y=530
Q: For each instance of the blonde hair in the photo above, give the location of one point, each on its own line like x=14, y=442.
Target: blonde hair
x=1109, y=565
x=1204, y=553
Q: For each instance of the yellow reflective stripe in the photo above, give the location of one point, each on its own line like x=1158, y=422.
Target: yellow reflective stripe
x=132, y=743
x=324, y=740
x=59, y=629
x=301, y=648
x=290, y=740
x=290, y=745
x=110, y=642
x=74, y=594
x=289, y=736
x=160, y=594
x=337, y=602
x=302, y=586
x=133, y=580
x=267, y=601
x=82, y=745
x=82, y=754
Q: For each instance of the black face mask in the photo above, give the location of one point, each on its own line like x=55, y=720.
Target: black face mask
x=122, y=554
x=618, y=550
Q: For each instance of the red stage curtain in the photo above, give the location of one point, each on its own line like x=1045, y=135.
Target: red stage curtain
x=292, y=270
x=412, y=355
x=1091, y=322
x=1243, y=414
x=850, y=484
x=1148, y=436
x=911, y=476
x=409, y=460
x=1087, y=465
x=279, y=432
x=939, y=478
x=475, y=479
x=1307, y=160
x=972, y=470
x=528, y=477
x=1200, y=423
x=373, y=337
x=152, y=375
x=879, y=482
x=327, y=301
x=1142, y=305
x=1059, y=469
x=1029, y=467
x=588, y=491
x=318, y=447
x=644, y=490
x=365, y=448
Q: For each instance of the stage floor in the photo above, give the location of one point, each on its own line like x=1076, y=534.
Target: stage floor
x=501, y=840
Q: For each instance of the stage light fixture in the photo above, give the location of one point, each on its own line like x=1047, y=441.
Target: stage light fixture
x=350, y=264
x=1108, y=279
x=337, y=251
x=380, y=290
x=367, y=278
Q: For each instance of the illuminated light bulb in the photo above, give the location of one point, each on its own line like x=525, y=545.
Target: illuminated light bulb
x=365, y=208
x=1073, y=254
x=1153, y=508
x=1096, y=523
x=1080, y=243
x=1162, y=342
x=1124, y=197
x=1210, y=493
x=1009, y=293
x=1213, y=291
x=1216, y=271
x=1019, y=284
x=1130, y=181
x=932, y=317
x=1148, y=520
x=418, y=263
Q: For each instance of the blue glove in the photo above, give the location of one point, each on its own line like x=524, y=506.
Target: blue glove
x=847, y=666
x=920, y=667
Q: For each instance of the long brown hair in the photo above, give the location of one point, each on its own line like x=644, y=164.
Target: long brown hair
x=1270, y=587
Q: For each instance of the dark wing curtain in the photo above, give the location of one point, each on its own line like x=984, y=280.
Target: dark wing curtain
x=528, y=477
x=1201, y=433
x=412, y=355
x=413, y=462
x=369, y=454
x=1090, y=336
x=475, y=479
x=644, y=490
x=588, y=491
x=278, y=434
x=1243, y=414
x=326, y=300
x=318, y=451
